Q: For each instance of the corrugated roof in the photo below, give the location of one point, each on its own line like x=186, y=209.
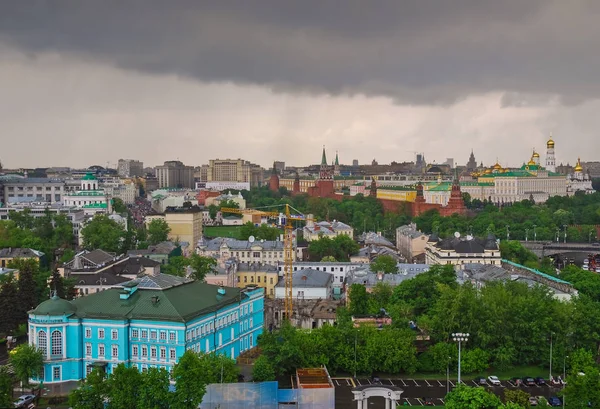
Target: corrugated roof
x=308, y=278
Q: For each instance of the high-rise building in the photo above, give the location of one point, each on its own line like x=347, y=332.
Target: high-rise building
x=234, y=170
x=175, y=174
x=130, y=168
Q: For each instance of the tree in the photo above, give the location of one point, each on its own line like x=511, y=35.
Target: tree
x=202, y=266
x=28, y=291
x=103, y=233
x=262, y=370
x=465, y=397
x=189, y=390
x=9, y=302
x=518, y=396
x=359, y=302
x=212, y=211
x=27, y=362
x=91, y=392
x=176, y=266
x=123, y=387
x=57, y=285
x=154, y=390
x=328, y=259
x=158, y=231
x=119, y=206
x=217, y=368
x=6, y=388
x=384, y=264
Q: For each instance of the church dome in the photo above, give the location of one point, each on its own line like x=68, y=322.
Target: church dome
x=578, y=167
x=550, y=143
x=497, y=166
x=535, y=155
x=531, y=162
x=54, y=306
x=488, y=171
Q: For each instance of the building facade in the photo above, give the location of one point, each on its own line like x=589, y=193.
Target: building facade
x=308, y=284
x=33, y=190
x=459, y=251
x=185, y=225
x=261, y=275
x=130, y=168
x=314, y=230
x=224, y=249
x=234, y=170
x=410, y=242
x=148, y=322
x=89, y=195
x=174, y=173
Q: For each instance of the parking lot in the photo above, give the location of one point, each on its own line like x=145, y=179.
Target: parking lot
x=420, y=392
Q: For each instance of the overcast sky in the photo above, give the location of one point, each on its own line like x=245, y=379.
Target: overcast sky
x=89, y=82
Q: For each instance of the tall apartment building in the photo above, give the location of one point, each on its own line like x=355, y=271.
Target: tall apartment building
x=175, y=174
x=234, y=170
x=201, y=173
x=185, y=225
x=130, y=168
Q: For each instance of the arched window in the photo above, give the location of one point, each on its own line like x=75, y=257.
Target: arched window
x=56, y=343
x=42, y=341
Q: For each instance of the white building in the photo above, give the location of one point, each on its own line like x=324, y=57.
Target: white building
x=410, y=242
x=221, y=186
x=74, y=215
x=314, y=230
x=308, y=284
x=459, y=251
x=579, y=181
x=30, y=190
x=259, y=251
x=239, y=199
x=124, y=189
x=89, y=196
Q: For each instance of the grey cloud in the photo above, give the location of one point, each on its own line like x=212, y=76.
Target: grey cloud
x=417, y=51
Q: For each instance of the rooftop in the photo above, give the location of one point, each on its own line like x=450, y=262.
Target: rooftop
x=309, y=278
x=233, y=244
x=17, y=252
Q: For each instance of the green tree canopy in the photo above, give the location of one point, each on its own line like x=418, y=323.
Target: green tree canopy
x=158, y=231
x=27, y=362
x=103, y=233
x=92, y=391
x=263, y=370
x=465, y=397
x=202, y=266
x=385, y=264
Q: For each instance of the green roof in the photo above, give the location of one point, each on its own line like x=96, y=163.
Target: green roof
x=95, y=206
x=87, y=193
x=409, y=188
x=54, y=306
x=441, y=187
x=89, y=176
x=323, y=157
x=179, y=303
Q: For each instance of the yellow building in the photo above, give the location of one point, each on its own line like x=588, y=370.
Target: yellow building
x=262, y=275
x=398, y=193
x=13, y=253
x=185, y=225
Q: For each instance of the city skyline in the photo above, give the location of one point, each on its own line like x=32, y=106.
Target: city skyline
x=264, y=82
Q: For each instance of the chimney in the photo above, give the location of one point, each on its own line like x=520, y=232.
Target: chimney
x=155, y=299
x=380, y=276
x=221, y=290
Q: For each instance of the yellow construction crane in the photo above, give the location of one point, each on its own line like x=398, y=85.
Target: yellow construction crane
x=288, y=247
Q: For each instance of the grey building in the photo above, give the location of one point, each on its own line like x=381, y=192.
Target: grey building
x=130, y=168
x=175, y=174
x=32, y=190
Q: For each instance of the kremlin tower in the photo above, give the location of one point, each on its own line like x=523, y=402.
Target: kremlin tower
x=274, y=181
x=550, y=158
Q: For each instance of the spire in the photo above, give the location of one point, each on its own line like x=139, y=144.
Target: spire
x=274, y=172
x=324, y=158
x=337, y=161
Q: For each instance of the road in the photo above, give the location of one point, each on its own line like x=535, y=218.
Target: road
x=416, y=391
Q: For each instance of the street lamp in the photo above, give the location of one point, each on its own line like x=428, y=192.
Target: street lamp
x=563, y=378
x=507, y=233
x=557, y=233
x=470, y=230
x=460, y=337
x=590, y=237
x=448, y=376
x=549, y=377
x=565, y=227
x=355, y=342
x=526, y=234
x=534, y=233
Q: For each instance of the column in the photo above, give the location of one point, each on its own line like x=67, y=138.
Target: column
x=64, y=341
x=388, y=403
x=359, y=404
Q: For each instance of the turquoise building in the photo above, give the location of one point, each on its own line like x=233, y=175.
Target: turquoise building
x=148, y=322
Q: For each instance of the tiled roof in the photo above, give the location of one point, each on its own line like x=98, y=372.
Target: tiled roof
x=179, y=303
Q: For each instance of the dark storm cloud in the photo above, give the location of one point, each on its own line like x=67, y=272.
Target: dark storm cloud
x=420, y=51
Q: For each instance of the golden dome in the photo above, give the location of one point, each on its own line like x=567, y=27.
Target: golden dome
x=531, y=162
x=488, y=171
x=578, y=167
x=497, y=166
x=535, y=155
x=550, y=143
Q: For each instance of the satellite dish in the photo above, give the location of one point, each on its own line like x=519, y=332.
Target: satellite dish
x=251, y=239
x=457, y=235
x=469, y=237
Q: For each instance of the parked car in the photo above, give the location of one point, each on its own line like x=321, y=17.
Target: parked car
x=493, y=379
x=24, y=400
x=554, y=401
x=480, y=380
x=516, y=381
x=540, y=381
x=528, y=381
x=533, y=401
x=428, y=402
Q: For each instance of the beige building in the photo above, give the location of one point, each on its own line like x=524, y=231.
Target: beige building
x=234, y=170
x=224, y=249
x=459, y=251
x=410, y=242
x=185, y=225
x=314, y=230
x=261, y=275
x=175, y=174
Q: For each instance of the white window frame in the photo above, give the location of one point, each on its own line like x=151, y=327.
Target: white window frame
x=101, y=333
x=114, y=348
x=101, y=350
x=88, y=332
x=172, y=354
x=135, y=351
x=135, y=333
x=153, y=353
x=114, y=335
x=88, y=349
